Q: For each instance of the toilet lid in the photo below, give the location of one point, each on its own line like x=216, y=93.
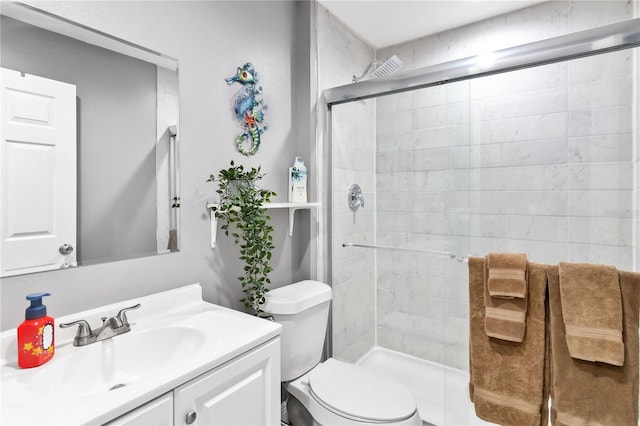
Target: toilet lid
x=358, y=393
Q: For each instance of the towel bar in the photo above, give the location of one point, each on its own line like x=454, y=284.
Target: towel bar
x=451, y=256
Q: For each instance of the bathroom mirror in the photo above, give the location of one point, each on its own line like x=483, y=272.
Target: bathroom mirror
x=118, y=191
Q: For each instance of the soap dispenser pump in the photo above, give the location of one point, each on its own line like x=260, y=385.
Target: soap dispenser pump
x=35, y=334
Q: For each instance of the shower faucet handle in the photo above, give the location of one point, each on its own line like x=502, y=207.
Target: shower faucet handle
x=355, y=197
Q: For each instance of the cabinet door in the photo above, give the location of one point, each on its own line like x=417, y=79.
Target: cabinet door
x=158, y=412
x=243, y=391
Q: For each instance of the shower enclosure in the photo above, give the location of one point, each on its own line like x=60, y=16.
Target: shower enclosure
x=531, y=149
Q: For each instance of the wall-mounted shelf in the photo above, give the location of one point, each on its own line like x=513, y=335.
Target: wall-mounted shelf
x=293, y=207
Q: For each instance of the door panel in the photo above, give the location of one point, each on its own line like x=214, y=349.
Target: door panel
x=37, y=172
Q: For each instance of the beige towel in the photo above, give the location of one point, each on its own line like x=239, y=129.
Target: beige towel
x=593, y=393
x=508, y=380
x=592, y=312
x=507, y=273
x=504, y=318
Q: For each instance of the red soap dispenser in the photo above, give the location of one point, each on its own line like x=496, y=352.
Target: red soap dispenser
x=35, y=334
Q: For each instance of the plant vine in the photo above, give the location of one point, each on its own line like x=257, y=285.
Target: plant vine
x=242, y=207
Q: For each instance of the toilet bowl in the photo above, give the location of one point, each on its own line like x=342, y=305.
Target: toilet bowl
x=330, y=392
x=338, y=393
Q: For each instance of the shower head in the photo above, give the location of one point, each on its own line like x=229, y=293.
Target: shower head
x=381, y=69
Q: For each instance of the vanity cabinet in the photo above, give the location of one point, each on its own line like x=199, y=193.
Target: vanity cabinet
x=243, y=391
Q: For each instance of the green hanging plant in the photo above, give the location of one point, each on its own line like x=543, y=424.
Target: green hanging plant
x=241, y=205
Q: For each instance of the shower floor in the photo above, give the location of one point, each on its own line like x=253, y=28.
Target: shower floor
x=442, y=392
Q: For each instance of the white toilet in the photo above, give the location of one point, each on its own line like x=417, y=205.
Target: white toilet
x=332, y=392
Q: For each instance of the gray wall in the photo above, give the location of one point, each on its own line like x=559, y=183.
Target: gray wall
x=116, y=113
x=210, y=39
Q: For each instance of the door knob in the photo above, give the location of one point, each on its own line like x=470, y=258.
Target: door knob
x=190, y=417
x=66, y=249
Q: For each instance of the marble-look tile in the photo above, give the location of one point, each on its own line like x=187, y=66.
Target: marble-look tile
x=395, y=201
x=354, y=267
x=531, y=80
x=430, y=180
x=428, y=159
x=393, y=103
x=459, y=157
x=428, y=223
x=396, y=181
x=601, y=67
x=589, y=14
x=486, y=155
x=438, y=137
x=601, y=231
x=604, y=121
x=457, y=223
x=601, y=203
x=542, y=251
x=537, y=178
x=488, y=202
x=540, y=228
x=547, y=126
x=601, y=93
x=488, y=225
x=457, y=290
x=479, y=246
x=538, y=152
x=441, y=115
x=537, y=203
x=387, y=162
x=616, y=176
x=394, y=122
x=600, y=148
x=520, y=104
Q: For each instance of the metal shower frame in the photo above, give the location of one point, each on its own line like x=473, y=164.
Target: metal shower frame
x=607, y=38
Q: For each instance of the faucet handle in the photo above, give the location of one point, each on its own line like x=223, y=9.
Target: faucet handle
x=122, y=315
x=84, y=329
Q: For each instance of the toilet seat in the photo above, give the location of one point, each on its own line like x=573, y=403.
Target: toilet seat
x=356, y=393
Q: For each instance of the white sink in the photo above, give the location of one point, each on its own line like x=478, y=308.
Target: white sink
x=174, y=337
x=108, y=365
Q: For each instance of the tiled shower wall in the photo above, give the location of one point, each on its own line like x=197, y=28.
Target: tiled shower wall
x=537, y=161
x=341, y=54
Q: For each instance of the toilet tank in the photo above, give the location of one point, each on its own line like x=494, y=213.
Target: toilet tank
x=302, y=309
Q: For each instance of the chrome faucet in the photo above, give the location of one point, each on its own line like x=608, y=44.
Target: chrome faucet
x=111, y=326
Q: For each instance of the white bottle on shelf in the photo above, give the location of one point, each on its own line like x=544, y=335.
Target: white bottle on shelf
x=298, y=182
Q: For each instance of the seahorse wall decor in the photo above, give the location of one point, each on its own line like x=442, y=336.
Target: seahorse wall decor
x=249, y=109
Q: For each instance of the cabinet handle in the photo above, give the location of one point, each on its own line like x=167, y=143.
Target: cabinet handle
x=190, y=417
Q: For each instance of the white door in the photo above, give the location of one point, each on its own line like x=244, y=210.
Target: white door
x=37, y=172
